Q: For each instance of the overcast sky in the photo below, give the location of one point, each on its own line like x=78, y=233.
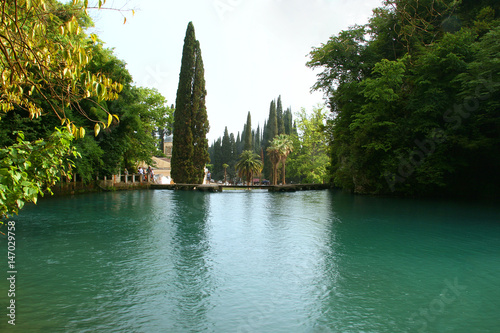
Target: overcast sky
x=253, y=50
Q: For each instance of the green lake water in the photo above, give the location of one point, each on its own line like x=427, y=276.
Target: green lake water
x=239, y=261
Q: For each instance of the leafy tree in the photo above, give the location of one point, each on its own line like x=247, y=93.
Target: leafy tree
x=248, y=165
x=309, y=161
x=45, y=60
x=414, y=106
x=90, y=163
x=145, y=111
x=55, y=71
x=28, y=169
x=157, y=116
x=190, y=146
x=134, y=139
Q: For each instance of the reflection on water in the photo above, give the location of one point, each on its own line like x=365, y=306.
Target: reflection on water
x=163, y=261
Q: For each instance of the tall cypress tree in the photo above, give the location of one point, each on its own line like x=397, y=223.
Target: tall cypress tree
x=271, y=130
x=272, y=123
x=288, y=120
x=190, y=145
x=238, y=145
x=199, y=124
x=248, y=133
x=256, y=145
x=226, y=148
x=264, y=136
x=279, y=117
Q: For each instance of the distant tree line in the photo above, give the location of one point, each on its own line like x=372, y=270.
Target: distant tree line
x=228, y=148
x=289, y=150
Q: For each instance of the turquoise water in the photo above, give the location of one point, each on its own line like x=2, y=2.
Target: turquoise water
x=164, y=261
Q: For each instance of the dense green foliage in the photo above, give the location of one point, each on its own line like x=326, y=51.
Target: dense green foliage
x=309, y=161
x=53, y=75
x=27, y=169
x=190, y=146
x=415, y=99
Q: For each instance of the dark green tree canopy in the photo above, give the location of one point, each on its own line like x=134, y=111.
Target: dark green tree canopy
x=414, y=95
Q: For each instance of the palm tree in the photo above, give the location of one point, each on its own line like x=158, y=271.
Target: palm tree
x=248, y=164
x=274, y=154
x=225, y=166
x=285, y=147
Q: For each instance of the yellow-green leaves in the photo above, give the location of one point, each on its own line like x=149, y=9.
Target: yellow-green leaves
x=79, y=132
x=97, y=128
x=34, y=69
x=110, y=119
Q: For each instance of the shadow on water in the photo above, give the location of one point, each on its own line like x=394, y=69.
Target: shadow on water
x=192, y=278
x=413, y=265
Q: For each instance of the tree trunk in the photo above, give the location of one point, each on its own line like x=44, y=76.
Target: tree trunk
x=275, y=174
x=283, y=171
